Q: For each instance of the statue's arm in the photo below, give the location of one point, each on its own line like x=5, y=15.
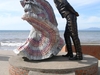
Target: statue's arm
x=58, y=6
x=64, y=6
x=69, y=7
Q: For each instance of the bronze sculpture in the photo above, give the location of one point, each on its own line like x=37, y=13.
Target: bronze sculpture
x=68, y=12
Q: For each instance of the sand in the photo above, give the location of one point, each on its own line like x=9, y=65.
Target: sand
x=4, y=64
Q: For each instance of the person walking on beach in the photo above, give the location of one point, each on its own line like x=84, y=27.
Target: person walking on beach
x=68, y=12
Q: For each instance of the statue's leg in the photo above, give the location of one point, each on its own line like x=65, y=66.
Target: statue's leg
x=68, y=42
x=72, y=25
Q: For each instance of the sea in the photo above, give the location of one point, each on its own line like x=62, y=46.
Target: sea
x=12, y=39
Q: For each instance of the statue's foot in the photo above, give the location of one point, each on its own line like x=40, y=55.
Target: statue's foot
x=80, y=57
x=68, y=55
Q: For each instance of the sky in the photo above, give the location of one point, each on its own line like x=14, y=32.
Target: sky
x=11, y=12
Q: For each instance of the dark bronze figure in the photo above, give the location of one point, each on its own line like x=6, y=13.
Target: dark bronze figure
x=68, y=12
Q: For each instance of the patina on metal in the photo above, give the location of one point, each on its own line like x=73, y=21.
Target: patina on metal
x=71, y=31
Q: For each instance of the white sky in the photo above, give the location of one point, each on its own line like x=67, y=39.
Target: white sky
x=11, y=12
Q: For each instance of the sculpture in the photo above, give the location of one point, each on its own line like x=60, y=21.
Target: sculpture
x=68, y=12
x=44, y=40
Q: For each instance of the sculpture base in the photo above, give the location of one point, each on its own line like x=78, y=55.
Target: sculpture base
x=57, y=65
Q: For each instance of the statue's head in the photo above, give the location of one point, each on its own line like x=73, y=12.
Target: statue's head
x=35, y=9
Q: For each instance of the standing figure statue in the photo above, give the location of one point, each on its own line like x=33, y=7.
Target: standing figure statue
x=68, y=12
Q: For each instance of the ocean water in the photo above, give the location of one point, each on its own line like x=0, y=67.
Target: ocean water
x=10, y=40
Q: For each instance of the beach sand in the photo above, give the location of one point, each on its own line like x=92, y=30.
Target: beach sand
x=4, y=64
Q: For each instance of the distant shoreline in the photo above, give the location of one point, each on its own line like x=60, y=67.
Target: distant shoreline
x=14, y=30
x=89, y=30
x=59, y=30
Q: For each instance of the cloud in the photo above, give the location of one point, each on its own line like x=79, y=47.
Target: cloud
x=93, y=19
x=7, y=20
x=11, y=12
x=79, y=3
x=61, y=23
x=85, y=22
x=90, y=19
x=10, y=22
x=10, y=15
x=10, y=5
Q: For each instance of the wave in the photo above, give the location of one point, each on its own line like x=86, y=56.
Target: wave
x=11, y=43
